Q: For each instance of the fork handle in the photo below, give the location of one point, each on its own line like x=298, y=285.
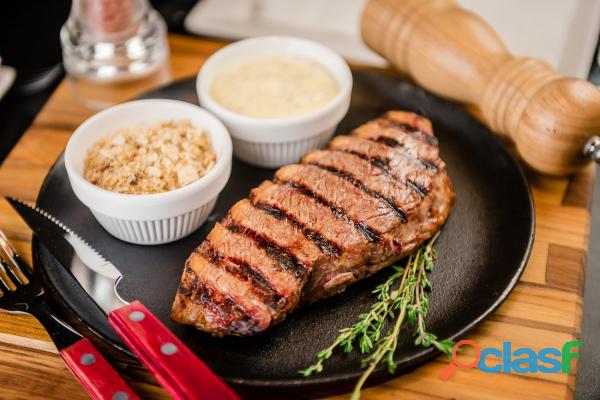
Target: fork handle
x=84, y=361
x=94, y=373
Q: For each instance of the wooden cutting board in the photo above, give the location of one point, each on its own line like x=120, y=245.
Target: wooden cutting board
x=543, y=311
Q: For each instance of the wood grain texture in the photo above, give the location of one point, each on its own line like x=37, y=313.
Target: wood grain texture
x=543, y=311
x=456, y=54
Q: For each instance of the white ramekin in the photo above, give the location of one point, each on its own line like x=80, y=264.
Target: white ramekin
x=272, y=142
x=149, y=218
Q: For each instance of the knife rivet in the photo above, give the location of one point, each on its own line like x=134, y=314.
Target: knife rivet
x=120, y=396
x=87, y=359
x=168, y=349
x=137, y=316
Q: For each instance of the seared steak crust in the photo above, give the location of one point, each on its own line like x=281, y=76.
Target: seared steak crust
x=345, y=212
x=372, y=181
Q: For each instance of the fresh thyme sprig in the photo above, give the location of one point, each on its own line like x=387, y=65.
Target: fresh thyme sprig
x=407, y=302
x=422, y=337
x=367, y=329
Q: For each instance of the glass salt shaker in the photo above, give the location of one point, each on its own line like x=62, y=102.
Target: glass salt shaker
x=108, y=44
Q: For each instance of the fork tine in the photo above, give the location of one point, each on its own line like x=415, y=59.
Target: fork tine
x=25, y=271
x=4, y=286
x=16, y=260
x=21, y=267
x=14, y=276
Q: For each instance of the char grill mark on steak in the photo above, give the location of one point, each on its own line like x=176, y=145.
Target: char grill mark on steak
x=229, y=305
x=383, y=131
x=376, y=161
x=280, y=272
x=399, y=166
x=275, y=227
x=365, y=176
x=413, y=124
x=203, y=293
x=371, y=236
x=394, y=144
x=347, y=176
x=422, y=191
x=216, y=301
x=228, y=314
x=417, y=134
x=327, y=247
x=286, y=259
x=313, y=214
x=241, y=269
x=372, y=215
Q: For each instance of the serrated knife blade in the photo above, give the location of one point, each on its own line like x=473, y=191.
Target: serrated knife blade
x=175, y=366
x=96, y=275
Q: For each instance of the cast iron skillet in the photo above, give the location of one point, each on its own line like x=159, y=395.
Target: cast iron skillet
x=482, y=251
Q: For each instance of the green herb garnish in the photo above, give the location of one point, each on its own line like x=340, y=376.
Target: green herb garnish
x=407, y=302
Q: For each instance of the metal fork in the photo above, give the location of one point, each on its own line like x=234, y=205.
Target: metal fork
x=29, y=297
x=92, y=370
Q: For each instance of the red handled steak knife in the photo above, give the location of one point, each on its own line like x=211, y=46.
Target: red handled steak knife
x=176, y=367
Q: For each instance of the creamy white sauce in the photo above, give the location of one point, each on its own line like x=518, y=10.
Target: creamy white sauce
x=274, y=87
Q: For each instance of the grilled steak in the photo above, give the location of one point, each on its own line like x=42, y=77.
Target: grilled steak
x=340, y=215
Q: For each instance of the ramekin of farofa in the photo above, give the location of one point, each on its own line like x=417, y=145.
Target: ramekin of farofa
x=150, y=171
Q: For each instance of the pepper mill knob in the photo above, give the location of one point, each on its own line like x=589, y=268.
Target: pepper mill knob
x=456, y=54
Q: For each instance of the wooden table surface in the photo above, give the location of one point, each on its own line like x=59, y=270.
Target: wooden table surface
x=544, y=310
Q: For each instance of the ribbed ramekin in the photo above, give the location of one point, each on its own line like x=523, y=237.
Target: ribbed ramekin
x=150, y=218
x=272, y=142
x=272, y=155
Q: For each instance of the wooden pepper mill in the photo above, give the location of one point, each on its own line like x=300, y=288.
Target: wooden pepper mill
x=450, y=51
